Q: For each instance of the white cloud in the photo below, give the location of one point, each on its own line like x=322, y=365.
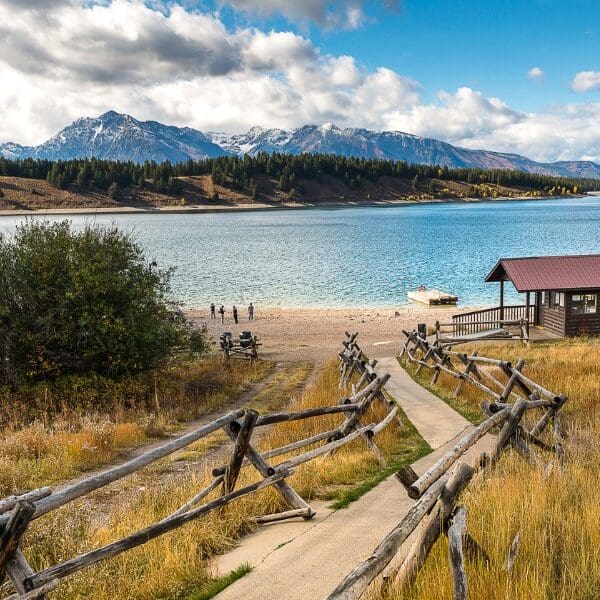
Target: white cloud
x=535, y=73
x=187, y=68
x=350, y=14
x=586, y=81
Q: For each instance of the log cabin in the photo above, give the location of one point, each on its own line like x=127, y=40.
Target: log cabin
x=561, y=291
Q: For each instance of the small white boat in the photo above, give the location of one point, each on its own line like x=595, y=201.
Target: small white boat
x=432, y=297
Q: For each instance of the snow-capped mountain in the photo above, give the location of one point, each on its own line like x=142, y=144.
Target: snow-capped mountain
x=114, y=136
x=121, y=137
x=392, y=145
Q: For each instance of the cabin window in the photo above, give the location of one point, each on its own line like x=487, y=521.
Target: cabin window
x=583, y=304
x=558, y=300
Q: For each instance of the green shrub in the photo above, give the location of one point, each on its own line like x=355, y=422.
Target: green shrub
x=75, y=302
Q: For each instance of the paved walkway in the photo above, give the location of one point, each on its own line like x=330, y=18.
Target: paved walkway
x=305, y=560
x=434, y=419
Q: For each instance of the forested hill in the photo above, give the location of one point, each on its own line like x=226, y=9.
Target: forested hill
x=281, y=177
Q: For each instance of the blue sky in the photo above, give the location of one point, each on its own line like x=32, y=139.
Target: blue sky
x=488, y=45
x=456, y=70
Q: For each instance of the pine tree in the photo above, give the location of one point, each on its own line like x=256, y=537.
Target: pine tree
x=113, y=190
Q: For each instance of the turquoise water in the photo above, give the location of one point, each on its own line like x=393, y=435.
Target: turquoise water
x=354, y=256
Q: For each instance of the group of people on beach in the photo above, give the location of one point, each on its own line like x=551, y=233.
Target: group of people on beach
x=234, y=312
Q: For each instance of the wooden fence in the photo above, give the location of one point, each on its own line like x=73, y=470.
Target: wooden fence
x=477, y=321
x=511, y=394
x=17, y=512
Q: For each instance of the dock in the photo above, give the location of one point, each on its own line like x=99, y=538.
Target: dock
x=432, y=297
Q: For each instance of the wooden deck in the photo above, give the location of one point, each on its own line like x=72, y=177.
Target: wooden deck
x=539, y=334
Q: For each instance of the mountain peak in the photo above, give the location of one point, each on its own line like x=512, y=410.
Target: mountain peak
x=116, y=136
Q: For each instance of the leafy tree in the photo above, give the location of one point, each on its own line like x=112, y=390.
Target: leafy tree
x=73, y=302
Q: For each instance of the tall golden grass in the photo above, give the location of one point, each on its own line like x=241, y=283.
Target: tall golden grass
x=559, y=518
x=54, y=431
x=178, y=564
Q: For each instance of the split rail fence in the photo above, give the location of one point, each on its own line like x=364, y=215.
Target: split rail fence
x=17, y=512
x=436, y=511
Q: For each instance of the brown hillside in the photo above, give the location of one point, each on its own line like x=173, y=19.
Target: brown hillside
x=33, y=194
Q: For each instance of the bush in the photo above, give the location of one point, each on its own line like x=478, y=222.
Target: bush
x=74, y=302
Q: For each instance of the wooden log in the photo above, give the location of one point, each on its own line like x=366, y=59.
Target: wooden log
x=18, y=570
x=529, y=404
x=144, y=535
x=541, y=425
x=285, y=489
x=10, y=502
x=353, y=419
x=288, y=514
x=417, y=489
x=84, y=486
x=536, y=386
x=558, y=443
x=312, y=454
x=199, y=496
x=508, y=428
x=19, y=519
x=513, y=552
x=356, y=582
x=242, y=440
x=512, y=381
x=456, y=534
x=283, y=417
x=406, y=476
x=326, y=435
x=520, y=383
x=470, y=364
x=391, y=416
x=35, y=594
x=434, y=524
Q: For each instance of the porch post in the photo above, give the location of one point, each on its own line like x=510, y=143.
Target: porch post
x=502, y=299
x=527, y=305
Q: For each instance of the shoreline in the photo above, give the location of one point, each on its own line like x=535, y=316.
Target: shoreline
x=316, y=334
x=261, y=207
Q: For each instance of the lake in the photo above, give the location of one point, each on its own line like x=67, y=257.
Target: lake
x=353, y=256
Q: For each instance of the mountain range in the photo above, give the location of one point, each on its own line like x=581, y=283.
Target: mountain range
x=114, y=136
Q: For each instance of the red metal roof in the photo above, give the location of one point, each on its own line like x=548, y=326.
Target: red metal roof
x=528, y=274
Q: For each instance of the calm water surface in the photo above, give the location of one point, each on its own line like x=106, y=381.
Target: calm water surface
x=353, y=257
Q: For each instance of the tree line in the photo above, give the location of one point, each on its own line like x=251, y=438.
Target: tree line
x=241, y=172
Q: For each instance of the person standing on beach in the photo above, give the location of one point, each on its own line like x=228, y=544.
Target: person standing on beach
x=222, y=313
x=213, y=314
x=235, y=314
x=251, y=312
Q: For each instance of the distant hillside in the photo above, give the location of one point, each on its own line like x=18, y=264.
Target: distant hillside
x=115, y=136
x=24, y=194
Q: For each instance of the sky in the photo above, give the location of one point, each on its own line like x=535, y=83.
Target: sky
x=502, y=75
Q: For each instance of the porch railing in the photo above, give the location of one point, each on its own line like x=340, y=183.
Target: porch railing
x=490, y=318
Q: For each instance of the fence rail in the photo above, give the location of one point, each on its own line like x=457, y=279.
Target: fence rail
x=476, y=321
x=17, y=512
x=437, y=490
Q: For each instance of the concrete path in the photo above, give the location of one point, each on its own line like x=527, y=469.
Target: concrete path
x=434, y=419
x=305, y=560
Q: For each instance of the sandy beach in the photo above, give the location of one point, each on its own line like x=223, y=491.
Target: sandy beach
x=316, y=334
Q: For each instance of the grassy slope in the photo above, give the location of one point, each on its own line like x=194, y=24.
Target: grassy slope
x=33, y=194
x=177, y=564
x=559, y=518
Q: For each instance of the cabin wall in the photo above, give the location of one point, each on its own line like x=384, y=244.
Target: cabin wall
x=553, y=318
x=581, y=324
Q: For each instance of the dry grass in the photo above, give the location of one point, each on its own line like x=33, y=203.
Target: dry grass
x=177, y=565
x=559, y=518
x=81, y=425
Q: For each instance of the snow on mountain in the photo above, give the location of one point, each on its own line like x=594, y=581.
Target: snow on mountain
x=121, y=137
x=114, y=136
